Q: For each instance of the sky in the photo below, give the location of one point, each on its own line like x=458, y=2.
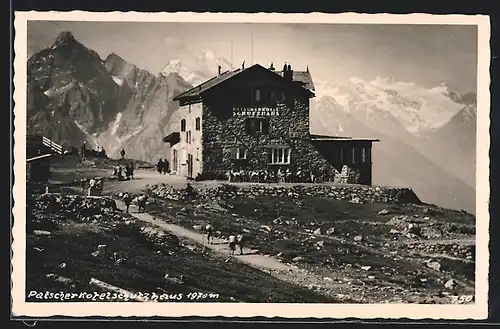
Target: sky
x=424, y=54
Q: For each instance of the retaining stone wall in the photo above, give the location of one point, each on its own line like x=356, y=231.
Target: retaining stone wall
x=353, y=193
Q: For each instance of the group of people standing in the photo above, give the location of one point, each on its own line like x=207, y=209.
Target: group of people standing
x=233, y=240
x=124, y=172
x=163, y=166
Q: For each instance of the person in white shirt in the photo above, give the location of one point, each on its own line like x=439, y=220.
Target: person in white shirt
x=232, y=244
x=210, y=231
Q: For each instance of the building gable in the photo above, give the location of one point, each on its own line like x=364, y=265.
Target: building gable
x=255, y=73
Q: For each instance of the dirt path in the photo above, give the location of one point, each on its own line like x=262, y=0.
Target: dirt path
x=268, y=264
x=143, y=177
x=220, y=246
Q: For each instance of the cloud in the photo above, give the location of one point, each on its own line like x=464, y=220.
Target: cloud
x=171, y=41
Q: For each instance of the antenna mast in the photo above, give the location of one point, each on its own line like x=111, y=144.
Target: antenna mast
x=251, y=61
x=231, y=55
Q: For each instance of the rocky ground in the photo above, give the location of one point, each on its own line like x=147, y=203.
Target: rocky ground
x=63, y=235
x=372, y=252
x=341, y=244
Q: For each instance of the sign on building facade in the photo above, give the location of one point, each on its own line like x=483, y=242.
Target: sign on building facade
x=256, y=111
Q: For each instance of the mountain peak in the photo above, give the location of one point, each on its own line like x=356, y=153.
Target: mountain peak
x=64, y=37
x=114, y=57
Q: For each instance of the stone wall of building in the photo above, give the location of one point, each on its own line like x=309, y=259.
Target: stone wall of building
x=222, y=132
x=360, y=194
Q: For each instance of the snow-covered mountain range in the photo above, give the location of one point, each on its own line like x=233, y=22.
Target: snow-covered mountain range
x=416, y=108
x=198, y=68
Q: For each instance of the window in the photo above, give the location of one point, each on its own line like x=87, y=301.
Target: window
x=365, y=155
x=183, y=125
x=257, y=95
x=354, y=155
x=198, y=153
x=241, y=153
x=175, y=160
x=184, y=156
x=188, y=137
x=198, y=124
x=257, y=125
x=341, y=155
x=278, y=155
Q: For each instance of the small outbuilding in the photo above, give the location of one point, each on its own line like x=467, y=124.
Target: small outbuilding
x=38, y=168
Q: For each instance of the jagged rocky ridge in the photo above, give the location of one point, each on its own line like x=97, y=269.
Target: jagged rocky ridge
x=75, y=96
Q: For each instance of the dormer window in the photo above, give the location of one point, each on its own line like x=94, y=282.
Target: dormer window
x=257, y=95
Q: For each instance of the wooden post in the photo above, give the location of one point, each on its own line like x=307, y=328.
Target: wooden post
x=101, y=250
x=108, y=287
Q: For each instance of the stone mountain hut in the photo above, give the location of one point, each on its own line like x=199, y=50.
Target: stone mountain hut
x=258, y=118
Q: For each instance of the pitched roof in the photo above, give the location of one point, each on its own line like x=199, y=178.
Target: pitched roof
x=39, y=157
x=195, y=91
x=304, y=78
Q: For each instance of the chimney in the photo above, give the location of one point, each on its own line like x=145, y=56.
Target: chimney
x=285, y=70
x=219, y=69
x=290, y=72
x=271, y=67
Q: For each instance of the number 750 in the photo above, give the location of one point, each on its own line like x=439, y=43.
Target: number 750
x=462, y=299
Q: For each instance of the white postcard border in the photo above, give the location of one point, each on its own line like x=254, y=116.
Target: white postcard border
x=478, y=310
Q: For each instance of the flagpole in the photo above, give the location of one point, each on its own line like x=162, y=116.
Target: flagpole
x=251, y=61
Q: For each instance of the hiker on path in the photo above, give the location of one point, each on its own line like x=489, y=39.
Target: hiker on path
x=142, y=202
x=166, y=166
x=122, y=153
x=210, y=231
x=127, y=199
x=92, y=184
x=240, y=240
x=189, y=193
x=129, y=168
x=159, y=166
x=232, y=244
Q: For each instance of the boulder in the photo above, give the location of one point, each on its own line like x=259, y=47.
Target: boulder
x=330, y=231
x=450, y=284
x=434, y=265
x=384, y=212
